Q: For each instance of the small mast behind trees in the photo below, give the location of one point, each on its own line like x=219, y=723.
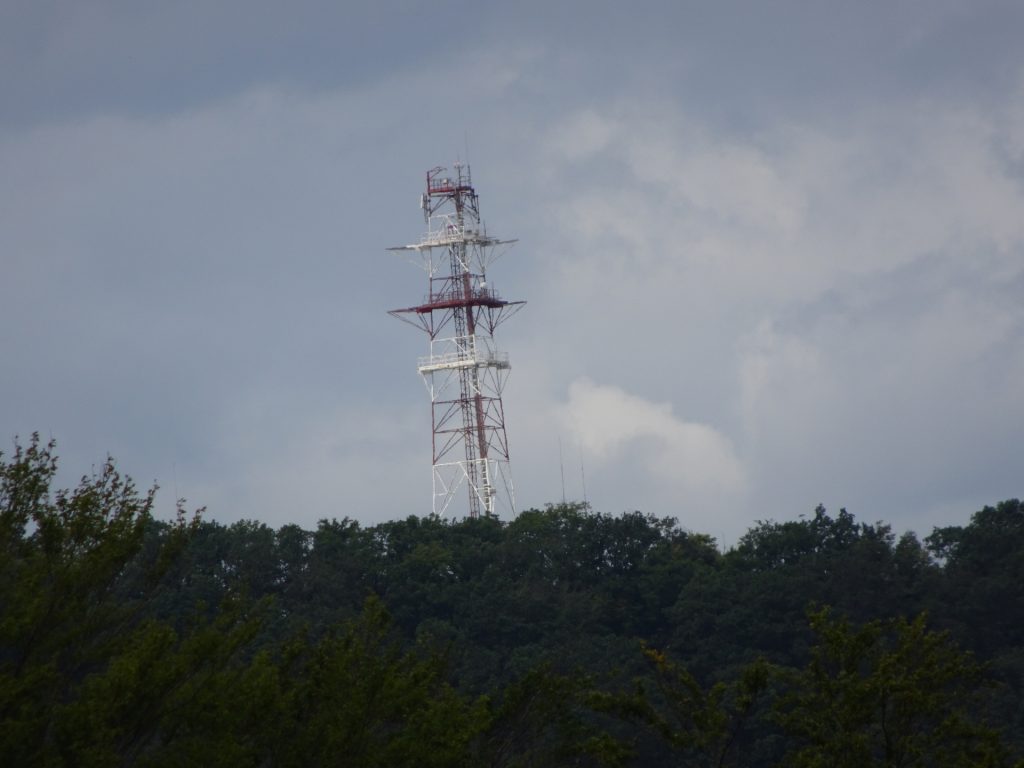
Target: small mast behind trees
x=464, y=373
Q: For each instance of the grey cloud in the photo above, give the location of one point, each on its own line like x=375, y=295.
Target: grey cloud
x=196, y=207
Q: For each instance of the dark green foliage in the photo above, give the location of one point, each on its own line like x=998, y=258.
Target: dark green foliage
x=544, y=718
x=886, y=694
x=750, y=603
x=70, y=599
x=982, y=596
x=355, y=697
x=130, y=641
x=702, y=726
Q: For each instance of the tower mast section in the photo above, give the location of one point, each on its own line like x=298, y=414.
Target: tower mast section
x=464, y=373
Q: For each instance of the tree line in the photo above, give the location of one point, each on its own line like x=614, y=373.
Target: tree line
x=561, y=637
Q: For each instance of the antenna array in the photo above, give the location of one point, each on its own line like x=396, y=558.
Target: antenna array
x=464, y=373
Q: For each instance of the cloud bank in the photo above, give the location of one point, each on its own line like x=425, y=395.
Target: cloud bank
x=768, y=264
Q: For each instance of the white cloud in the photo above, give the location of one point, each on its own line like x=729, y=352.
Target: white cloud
x=580, y=136
x=780, y=374
x=797, y=209
x=832, y=295
x=690, y=458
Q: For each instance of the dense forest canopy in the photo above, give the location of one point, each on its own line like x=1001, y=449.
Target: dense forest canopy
x=561, y=637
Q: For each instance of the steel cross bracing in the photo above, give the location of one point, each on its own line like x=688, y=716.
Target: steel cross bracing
x=464, y=373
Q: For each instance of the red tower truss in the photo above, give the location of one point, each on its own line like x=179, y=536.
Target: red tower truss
x=464, y=373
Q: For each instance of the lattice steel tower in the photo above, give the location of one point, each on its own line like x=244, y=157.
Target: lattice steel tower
x=464, y=372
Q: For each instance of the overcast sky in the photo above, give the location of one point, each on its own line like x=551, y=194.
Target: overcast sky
x=773, y=251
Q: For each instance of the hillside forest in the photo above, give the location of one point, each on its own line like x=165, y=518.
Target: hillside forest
x=562, y=637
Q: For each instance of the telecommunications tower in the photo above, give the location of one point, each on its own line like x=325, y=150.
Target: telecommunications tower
x=464, y=372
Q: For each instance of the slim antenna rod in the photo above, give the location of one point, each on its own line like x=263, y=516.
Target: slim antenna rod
x=561, y=467
x=583, y=477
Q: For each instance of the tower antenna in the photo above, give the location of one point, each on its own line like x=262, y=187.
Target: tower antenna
x=583, y=477
x=465, y=374
x=561, y=468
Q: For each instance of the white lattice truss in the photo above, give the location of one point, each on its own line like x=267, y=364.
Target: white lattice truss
x=464, y=373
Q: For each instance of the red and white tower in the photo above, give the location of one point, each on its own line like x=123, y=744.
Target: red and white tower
x=464, y=372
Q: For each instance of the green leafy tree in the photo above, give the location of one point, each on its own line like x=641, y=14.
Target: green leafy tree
x=702, y=726
x=546, y=718
x=170, y=698
x=358, y=698
x=885, y=694
x=65, y=605
x=752, y=602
